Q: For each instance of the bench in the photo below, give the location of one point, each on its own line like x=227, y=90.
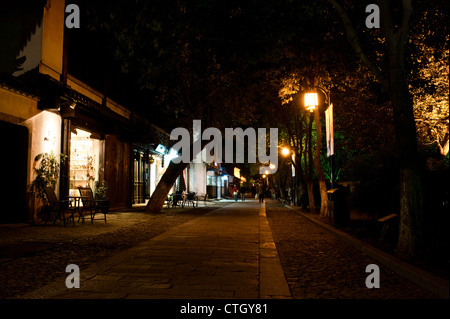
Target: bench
x=387, y=222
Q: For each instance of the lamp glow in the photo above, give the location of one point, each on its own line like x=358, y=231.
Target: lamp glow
x=311, y=101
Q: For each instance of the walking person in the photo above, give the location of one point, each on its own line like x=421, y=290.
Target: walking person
x=243, y=190
x=235, y=193
x=253, y=190
x=261, y=192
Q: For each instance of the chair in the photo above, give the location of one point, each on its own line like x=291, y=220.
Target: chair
x=176, y=198
x=168, y=200
x=56, y=208
x=94, y=206
x=191, y=198
x=203, y=197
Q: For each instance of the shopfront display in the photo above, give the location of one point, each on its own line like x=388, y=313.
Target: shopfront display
x=85, y=160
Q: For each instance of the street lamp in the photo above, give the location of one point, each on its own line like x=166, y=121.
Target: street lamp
x=311, y=101
x=285, y=152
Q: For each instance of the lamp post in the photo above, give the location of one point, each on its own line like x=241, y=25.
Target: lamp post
x=311, y=102
x=285, y=152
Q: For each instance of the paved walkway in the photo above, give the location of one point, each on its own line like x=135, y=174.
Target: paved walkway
x=227, y=253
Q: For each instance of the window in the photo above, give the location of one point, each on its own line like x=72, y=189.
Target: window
x=84, y=160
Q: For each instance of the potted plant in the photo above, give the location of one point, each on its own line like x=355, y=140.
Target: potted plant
x=101, y=194
x=46, y=171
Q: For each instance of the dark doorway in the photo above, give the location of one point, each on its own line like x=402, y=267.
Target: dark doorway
x=13, y=163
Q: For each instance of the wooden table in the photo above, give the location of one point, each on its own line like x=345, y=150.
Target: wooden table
x=77, y=207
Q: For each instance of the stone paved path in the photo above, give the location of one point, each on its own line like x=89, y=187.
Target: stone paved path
x=242, y=250
x=321, y=265
x=227, y=253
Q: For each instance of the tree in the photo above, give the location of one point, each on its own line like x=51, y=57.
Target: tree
x=428, y=81
x=395, y=25
x=179, y=51
x=201, y=60
x=299, y=128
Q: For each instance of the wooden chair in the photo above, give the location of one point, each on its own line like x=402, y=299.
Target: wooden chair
x=177, y=200
x=90, y=203
x=56, y=208
x=191, y=198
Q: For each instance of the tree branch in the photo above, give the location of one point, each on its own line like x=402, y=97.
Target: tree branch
x=404, y=28
x=396, y=38
x=354, y=42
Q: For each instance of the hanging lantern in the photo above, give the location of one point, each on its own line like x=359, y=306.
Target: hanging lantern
x=311, y=101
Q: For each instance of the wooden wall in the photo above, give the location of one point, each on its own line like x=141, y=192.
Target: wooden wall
x=117, y=171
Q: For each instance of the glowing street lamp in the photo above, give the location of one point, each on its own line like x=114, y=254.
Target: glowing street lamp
x=285, y=152
x=311, y=101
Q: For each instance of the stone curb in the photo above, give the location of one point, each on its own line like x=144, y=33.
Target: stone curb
x=272, y=280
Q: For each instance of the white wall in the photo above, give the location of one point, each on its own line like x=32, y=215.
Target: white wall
x=197, y=177
x=44, y=137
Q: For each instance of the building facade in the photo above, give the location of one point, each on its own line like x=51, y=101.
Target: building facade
x=46, y=109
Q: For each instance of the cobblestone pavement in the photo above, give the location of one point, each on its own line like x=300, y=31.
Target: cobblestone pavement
x=317, y=264
x=320, y=265
x=33, y=256
x=227, y=253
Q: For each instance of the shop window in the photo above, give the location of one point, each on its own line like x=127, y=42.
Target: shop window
x=211, y=180
x=85, y=167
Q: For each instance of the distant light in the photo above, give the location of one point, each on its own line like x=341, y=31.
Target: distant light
x=285, y=151
x=311, y=101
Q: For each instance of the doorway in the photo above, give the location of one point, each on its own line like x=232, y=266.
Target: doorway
x=13, y=166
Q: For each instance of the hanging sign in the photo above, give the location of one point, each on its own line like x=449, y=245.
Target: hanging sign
x=329, y=129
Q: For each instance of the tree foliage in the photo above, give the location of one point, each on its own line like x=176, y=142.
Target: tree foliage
x=234, y=63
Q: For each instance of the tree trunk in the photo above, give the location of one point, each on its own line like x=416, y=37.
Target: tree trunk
x=156, y=202
x=395, y=26
x=309, y=167
x=319, y=171
x=312, y=204
x=410, y=227
x=410, y=240
x=301, y=187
